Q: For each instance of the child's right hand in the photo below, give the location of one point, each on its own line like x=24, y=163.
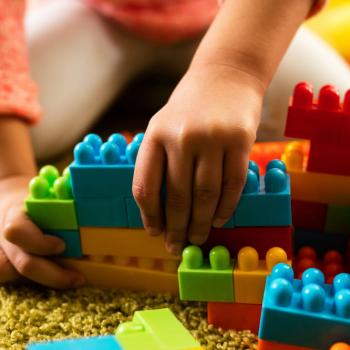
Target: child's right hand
x=24, y=249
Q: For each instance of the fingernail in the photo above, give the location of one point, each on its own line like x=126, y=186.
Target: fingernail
x=174, y=249
x=79, y=281
x=60, y=248
x=153, y=230
x=197, y=239
x=217, y=223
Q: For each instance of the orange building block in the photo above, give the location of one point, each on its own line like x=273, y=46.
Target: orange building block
x=234, y=316
x=314, y=187
x=123, y=242
x=269, y=345
x=340, y=346
x=249, y=274
x=108, y=275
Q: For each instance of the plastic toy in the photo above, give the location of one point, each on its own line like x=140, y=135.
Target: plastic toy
x=50, y=203
x=305, y=313
x=249, y=274
x=338, y=219
x=206, y=280
x=149, y=329
x=71, y=239
x=340, y=346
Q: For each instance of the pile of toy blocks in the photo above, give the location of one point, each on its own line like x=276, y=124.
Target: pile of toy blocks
x=150, y=329
x=230, y=269
x=320, y=180
x=92, y=209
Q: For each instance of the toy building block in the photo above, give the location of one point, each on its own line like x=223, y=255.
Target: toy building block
x=123, y=242
x=309, y=215
x=206, y=280
x=50, y=203
x=322, y=121
x=320, y=241
x=305, y=312
x=331, y=264
x=133, y=213
x=155, y=330
x=314, y=187
x=234, y=316
x=265, y=200
x=338, y=219
x=260, y=238
x=249, y=274
x=108, y=342
x=270, y=345
x=107, y=274
x=71, y=239
x=340, y=346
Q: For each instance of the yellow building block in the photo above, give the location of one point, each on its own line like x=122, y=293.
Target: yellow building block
x=250, y=274
x=314, y=187
x=108, y=275
x=123, y=242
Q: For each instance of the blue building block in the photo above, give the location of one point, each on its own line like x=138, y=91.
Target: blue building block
x=133, y=213
x=306, y=312
x=104, y=169
x=72, y=240
x=231, y=223
x=265, y=200
x=108, y=342
x=102, y=212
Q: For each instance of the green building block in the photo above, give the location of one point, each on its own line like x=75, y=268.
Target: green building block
x=155, y=330
x=204, y=280
x=338, y=219
x=50, y=203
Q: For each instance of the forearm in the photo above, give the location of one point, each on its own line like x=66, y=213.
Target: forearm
x=16, y=154
x=252, y=35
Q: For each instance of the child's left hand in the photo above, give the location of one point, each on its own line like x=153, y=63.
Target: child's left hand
x=200, y=141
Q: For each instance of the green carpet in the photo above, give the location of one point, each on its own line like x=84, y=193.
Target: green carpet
x=33, y=313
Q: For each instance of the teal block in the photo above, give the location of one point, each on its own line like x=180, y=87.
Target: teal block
x=206, y=280
x=102, y=212
x=266, y=200
x=307, y=312
x=338, y=219
x=108, y=342
x=231, y=223
x=72, y=240
x=133, y=213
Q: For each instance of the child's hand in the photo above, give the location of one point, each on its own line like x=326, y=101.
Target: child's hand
x=200, y=140
x=23, y=247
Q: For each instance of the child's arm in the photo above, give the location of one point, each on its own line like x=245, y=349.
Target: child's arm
x=23, y=247
x=202, y=137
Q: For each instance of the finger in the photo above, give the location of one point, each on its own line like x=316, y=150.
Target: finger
x=7, y=272
x=147, y=184
x=21, y=231
x=206, y=193
x=178, y=199
x=233, y=180
x=41, y=270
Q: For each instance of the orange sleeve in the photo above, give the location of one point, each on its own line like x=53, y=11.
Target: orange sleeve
x=18, y=93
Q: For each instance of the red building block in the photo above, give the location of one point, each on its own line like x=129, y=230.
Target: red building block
x=323, y=121
x=309, y=215
x=234, y=316
x=269, y=345
x=329, y=158
x=260, y=238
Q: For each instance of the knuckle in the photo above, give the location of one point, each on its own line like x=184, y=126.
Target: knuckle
x=23, y=264
x=205, y=193
x=11, y=231
x=177, y=201
x=141, y=193
x=242, y=137
x=234, y=184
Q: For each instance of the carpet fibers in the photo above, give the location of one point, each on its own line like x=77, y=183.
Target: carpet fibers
x=33, y=313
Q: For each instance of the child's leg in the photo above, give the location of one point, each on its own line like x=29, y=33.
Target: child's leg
x=308, y=59
x=80, y=61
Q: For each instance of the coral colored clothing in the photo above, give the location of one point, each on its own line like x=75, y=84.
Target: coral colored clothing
x=164, y=20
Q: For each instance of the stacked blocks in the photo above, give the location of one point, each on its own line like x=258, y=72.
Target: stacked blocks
x=51, y=206
x=306, y=313
x=149, y=329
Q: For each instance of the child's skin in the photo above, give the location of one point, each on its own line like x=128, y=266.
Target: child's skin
x=200, y=139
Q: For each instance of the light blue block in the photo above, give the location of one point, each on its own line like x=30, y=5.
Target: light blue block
x=94, y=343
x=133, y=213
x=307, y=312
x=265, y=200
x=72, y=240
x=231, y=223
x=102, y=212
